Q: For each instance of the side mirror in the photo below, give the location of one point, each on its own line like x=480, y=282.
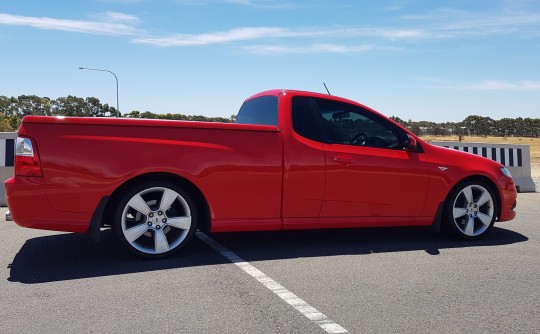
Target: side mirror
x=410, y=143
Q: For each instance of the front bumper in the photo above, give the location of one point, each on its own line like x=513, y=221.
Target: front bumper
x=508, y=194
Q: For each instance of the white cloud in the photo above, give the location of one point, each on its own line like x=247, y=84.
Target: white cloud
x=487, y=21
x=258, y=33
x=257, y=4
x=488, y=85
x=119, y=17
x=504, y=85
x=89, y=27
x=191, y=2
x=115, y=23
x=396, y=33
x=310, y=49
x=458, y=23
x=220, y=37
x=442, y=24
x=240, y=2
x=127, y=2
x=268, y=4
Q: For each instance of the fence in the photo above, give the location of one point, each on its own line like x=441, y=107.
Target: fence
x=516, y=158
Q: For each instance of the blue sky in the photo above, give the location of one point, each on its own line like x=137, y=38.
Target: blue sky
x=420, y=60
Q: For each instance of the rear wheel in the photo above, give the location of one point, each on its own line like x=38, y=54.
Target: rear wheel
x=155, y=219
x=470, y=210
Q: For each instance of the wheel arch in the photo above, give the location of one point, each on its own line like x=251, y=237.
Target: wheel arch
x=489, y=182
x=203, y=208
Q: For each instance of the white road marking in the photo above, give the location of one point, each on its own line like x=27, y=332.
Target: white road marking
x=290, y=298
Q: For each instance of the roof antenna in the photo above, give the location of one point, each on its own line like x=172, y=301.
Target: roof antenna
x=326, y=88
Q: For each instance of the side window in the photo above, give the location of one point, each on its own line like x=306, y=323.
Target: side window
x=261, y=110
x=303, y=119
x=347, y=124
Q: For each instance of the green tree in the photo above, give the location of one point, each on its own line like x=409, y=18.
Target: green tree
x=9, y=123
x=68, y=106
x=12, y=110
x=93, y=108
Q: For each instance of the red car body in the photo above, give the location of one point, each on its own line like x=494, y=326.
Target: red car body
x=250, y=177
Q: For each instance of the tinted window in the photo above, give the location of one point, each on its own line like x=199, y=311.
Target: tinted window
x=303, y=117
x=261, y=110
x=347, y=124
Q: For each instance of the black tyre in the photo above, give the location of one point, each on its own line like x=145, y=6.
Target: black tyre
x=155, y=219
x=470, y=210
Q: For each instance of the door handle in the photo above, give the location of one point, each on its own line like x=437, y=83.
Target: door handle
x=342, y=159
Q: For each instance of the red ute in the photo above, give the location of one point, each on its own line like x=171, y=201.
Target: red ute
x=293, y=160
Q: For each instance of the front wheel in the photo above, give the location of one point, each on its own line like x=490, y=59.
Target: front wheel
x=470, y=210
x=155, y=219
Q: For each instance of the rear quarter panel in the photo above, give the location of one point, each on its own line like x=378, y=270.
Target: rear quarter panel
x=237, y=168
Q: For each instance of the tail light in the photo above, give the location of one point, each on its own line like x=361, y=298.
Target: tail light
x=27, y=158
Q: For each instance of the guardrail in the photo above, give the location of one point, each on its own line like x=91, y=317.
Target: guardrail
x=516, y=158
x=7, y=159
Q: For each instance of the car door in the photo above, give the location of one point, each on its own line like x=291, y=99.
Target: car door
x=368, y=173
x=304, y=161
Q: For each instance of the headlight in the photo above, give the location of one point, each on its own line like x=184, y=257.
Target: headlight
x=506, y=172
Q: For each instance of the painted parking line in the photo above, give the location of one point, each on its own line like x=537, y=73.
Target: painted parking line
x=290, y=298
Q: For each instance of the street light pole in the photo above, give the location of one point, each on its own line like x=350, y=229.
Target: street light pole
x=97, y=69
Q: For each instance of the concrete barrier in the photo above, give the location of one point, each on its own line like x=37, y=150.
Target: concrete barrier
x=7, y=159
x=516, y=158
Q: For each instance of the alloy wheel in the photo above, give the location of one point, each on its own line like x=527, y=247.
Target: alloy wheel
x=156, y=220
x=473, y=210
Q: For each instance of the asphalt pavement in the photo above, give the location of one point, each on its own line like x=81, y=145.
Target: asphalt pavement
x=391, y=280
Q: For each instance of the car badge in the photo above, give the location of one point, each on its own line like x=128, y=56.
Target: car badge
x=443, y=168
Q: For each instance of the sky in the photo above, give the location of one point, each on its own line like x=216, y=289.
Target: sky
x=419, y=60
